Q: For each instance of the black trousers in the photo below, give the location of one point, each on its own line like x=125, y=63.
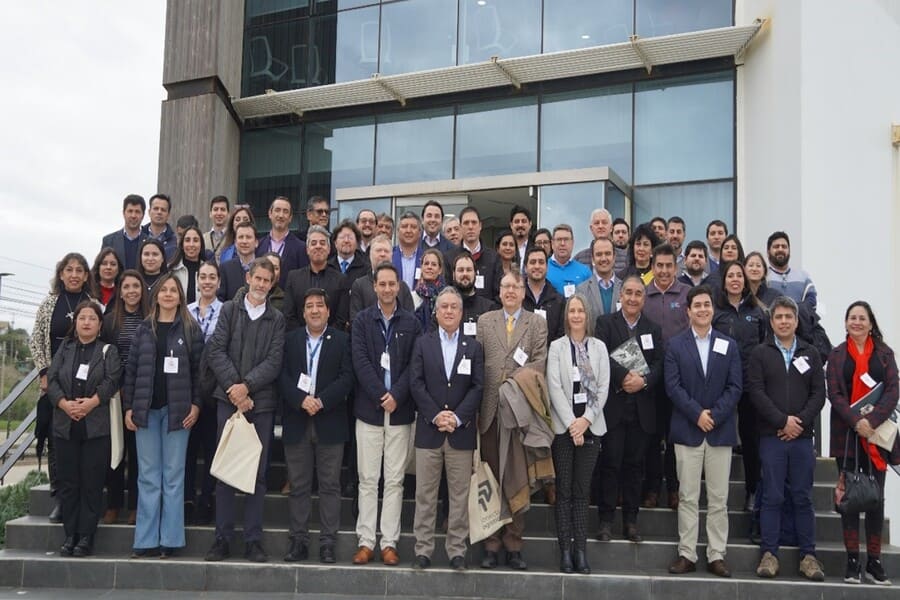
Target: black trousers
x=621, y=464
x=202, y=440
x=874, y=518
x=81, y=471
x=749, y=431
x=124, y=475
x=656, y=462
x=574, y=466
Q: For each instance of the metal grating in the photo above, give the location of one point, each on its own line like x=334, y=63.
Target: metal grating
x=634, y=54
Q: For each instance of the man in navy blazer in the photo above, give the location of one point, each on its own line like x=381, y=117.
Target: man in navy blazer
x=316, y=379
x=446, y=381
x=407, y=256
x=289, y=247
x=703, y=380
x=127, y=240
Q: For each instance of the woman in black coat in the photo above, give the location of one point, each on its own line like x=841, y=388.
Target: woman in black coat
x=82, y=378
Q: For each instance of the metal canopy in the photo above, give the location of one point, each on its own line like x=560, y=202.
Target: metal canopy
x=498, y=72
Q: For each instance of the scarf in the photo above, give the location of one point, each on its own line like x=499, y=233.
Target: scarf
x=588, y=381
x=860, y=389
x=428, y=291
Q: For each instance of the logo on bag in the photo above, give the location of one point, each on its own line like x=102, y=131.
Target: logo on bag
x=484, y=494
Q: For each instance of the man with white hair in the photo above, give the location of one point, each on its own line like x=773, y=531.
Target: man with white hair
x=601, y=227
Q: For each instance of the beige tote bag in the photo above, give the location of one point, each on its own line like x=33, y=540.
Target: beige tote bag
x=237, y=455
x=485, y=503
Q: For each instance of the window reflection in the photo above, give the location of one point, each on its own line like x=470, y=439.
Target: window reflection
x=503, y=28
x=697, y=204
x=571, y=203
x=684, y=129
x=570, y=24
x=348, y=209
x=276, y=58
x=270, y=166
x=417, y=35
x=665, y=17
x=338, y=154
x=345, y=46
x=414, y=146
x=587, y=129
x=496, y=138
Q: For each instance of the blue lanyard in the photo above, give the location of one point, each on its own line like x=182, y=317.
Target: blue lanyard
x=311, y=353
x=386, y=331
x=205, y=322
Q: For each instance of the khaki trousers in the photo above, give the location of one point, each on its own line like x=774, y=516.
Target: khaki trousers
x=429, y=463
x=691, y=462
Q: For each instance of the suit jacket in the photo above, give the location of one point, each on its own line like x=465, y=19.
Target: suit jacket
x=368, y=345
x=530, y=334
x=335, y=285
x=232, y=278
x=444, y=245
x=362, y=295
x=168, y=238
x=293, y=254
x=397, y=260
x=554, y=305
x=116, y=241
x=433, y=392
x=590, y=289
x=360, y=267
x=334, y=383
x=559, y=380
x=488, y=266
x=691, y=391
x=613, y=331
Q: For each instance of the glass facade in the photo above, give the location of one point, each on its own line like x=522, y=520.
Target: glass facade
x=496, y=138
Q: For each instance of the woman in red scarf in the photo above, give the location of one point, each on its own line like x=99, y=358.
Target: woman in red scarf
x=854, y=368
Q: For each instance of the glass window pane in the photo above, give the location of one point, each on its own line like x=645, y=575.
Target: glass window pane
x=496, y=138
x=338, y=154
x=571, y=203
x=275, y=57
x=329, y=6
x=587, y=129
x=417, y=35
x=349, y=208
x=665, y=17
x=503, y=28
x=570, y=24
x=260, y=12
x=684, y=129
x=270, y=166
x=615, y=201
x=345, y=46
x=697, y=204
x=415, y=146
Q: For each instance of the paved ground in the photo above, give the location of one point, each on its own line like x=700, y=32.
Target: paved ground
x=67, y=594
x=21, y=469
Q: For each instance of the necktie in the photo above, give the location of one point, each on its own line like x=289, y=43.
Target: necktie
x=344, y=265
x=509, y=328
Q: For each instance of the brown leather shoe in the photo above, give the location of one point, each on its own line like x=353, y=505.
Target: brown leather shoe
x=132, y=517
x=389, y=556
x=363, y=555
x=673, y=500
x=651, y=500
x=719, y=568
x=550, y=493
x=110, y=516
x=682, y=566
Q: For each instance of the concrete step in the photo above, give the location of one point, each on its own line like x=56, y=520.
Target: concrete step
x=33, y=534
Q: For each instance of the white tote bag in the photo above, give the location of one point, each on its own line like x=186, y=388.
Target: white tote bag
x=116, y=434
x=485, y=502
x=237, y=456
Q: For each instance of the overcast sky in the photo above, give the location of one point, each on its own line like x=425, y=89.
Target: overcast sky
x=81, y=109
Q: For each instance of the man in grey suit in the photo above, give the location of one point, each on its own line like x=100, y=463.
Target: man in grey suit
x=512, y=338
x=127, y=240
x=602, y=289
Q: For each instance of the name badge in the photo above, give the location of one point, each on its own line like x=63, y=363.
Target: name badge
x=170, y=365
x=647, y=341
x=418, y=274
x=801, y=365
x=385, y=361
x=465, y=367
x=576, y=374
x=580, y=398
x=541, y=313
x=470, y=328
x=569, y=290
x=866, y=379
x=521, y=357
x=479, y=282
x=720, y=346
x=83, y=372
x=305, y=382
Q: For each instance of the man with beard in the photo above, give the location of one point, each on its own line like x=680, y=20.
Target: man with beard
x=281, y=241
x=601, y=227
x=621, y=231
x=716, y=232
x=348, y=259
x=540, y=298
x=675, y=236
x=520, y=225
x=487, y=264
x=785, y=280
x=318, y=274
x=362, y=292
x=366, y=222
x=474, y=305
x=694, y=272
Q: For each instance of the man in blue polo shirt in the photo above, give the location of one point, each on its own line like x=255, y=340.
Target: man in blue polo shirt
x=562, y=270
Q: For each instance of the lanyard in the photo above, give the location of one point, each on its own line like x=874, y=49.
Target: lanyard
x=311, y=353
x=204, y=322
x=386, y=331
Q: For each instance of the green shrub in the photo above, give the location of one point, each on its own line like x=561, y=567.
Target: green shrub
x=14, y=500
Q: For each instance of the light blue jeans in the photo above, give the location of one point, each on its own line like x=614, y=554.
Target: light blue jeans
x=160, y=509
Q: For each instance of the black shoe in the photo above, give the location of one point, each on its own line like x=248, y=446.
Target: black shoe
x=145, y=552
x=631, y=533
x=515, y=561
x=349, y=490
x=581, y=563
x=85, y=547
x=56, y=514
x=296, y=552
x=421, y=562
x=851, y=575
x=458, y=563
x=326, y=554
x=875, y=571
x=565, y=561
x=67, y=546
x=755, y=533
x=749, y=500
x=253, y=551
x=604, y=534
x=203, y=514
x=490, y=560
x=219, y=551
x=166, y=552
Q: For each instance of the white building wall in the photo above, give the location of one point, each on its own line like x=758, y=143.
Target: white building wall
x=817, y=95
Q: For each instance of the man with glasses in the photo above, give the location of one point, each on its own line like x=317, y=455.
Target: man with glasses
x=318, y=274
x=348, y=259
x=318, y=212
x=366, y=223
x=564, y=272
x=281, y=241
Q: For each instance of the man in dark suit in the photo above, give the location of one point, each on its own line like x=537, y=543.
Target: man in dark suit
x=318, y=274
x=432, y=220
x=316, y=379
x=630, y=410
x=288, y=246
x=703, y=379
x=233, y=273
x=127, y=240
x=487, y=264
x=407, y=257
x=446, y=380
x=362, y=291
x=541, y=297
x=348, y=258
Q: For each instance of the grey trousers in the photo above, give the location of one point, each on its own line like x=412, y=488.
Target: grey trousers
x=326, y=459
x=428, y=478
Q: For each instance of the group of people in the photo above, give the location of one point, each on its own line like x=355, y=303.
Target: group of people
x=592, y=375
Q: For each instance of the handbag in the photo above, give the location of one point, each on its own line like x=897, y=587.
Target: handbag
x=236, y=461
x=485, y=502
x=861, y=492
x=116, y=423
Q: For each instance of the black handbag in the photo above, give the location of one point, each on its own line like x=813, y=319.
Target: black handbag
x=861, y=490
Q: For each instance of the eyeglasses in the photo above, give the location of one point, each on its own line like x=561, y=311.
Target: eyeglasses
x=319, y=211
x=511, y=286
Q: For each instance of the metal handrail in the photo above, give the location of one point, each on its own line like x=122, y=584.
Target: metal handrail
x=21, y=430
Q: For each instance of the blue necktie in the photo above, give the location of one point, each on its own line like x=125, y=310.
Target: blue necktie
x=344, y=265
